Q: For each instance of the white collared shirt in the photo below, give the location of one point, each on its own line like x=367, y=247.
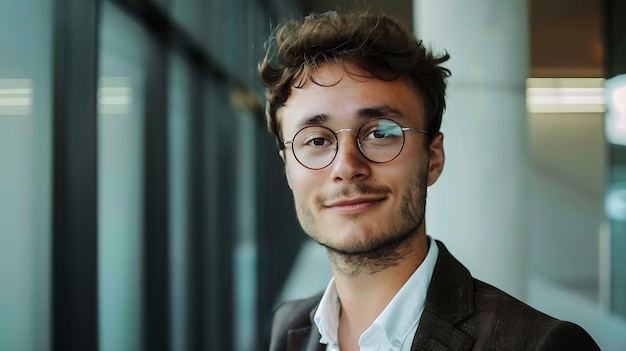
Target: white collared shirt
x=395, y=327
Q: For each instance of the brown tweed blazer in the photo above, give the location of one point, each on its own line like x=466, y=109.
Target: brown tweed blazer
x=461, y=313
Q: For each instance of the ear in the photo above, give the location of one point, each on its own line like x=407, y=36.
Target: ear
x=436, y=159
x=281, y=153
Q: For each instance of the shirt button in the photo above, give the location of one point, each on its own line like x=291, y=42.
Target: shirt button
x=397, y=343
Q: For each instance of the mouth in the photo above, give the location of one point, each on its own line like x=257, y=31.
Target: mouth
x=354, y=206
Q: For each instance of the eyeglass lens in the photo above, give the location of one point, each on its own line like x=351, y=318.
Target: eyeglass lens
x=379, y=140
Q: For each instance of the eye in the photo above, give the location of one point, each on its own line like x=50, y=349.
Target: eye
x=381, y=132
x=315, y=138
x=377, y=134
x=318, y=141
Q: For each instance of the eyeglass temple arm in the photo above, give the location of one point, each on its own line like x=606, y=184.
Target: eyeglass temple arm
x=417, y=130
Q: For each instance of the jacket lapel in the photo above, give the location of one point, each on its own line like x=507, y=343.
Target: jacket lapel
x=450, y=299
x=305, y=339
x=435, y=333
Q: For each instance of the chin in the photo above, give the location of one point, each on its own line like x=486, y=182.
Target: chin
x=352, y=238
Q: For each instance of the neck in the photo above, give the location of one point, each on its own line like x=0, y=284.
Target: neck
x=364, y=293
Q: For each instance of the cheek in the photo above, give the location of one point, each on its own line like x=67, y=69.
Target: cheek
x=300, y=179
x=402, y=172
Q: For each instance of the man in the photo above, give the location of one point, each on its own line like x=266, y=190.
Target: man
x=355, y=103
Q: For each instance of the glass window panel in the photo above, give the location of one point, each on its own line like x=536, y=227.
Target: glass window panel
x=25, y=173
x=178, y=117
x=221, y=144
x=219, y=37
x=245, y=255
x=191, y=15
x=120, y=184
x=212, y=109
x=615, y=197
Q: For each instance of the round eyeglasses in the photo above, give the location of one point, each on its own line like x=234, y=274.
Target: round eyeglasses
x=379, y=140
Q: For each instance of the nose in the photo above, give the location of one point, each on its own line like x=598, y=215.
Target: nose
x=349, y=164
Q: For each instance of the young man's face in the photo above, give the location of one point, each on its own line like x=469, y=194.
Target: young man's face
x=355, y=205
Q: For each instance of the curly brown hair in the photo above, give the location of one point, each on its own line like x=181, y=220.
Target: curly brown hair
x=377, y=43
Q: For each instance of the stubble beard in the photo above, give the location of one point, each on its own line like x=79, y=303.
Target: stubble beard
x=382, y=250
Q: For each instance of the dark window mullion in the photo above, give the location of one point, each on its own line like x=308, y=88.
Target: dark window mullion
x=75, y=240
x=156, y=275
x=220, y=146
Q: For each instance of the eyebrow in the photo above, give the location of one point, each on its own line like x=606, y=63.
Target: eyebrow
x=362, y=114
x=314, y=120
x=379, y=111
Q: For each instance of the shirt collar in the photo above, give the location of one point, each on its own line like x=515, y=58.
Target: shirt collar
x=397, y=320
x=327, y=315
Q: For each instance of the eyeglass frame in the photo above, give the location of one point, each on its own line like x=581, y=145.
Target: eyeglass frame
x=356, y=139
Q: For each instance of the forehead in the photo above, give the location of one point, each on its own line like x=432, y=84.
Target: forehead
x=338, y=94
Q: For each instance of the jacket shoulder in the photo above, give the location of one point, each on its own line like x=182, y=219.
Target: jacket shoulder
x=512, y=324
x=493, y=319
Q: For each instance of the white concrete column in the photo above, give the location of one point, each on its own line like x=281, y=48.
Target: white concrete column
x=478, y=206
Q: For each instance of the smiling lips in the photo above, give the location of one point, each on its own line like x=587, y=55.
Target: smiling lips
x=353, y=206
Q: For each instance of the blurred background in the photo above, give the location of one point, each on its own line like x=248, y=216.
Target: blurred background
x=143, y=205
